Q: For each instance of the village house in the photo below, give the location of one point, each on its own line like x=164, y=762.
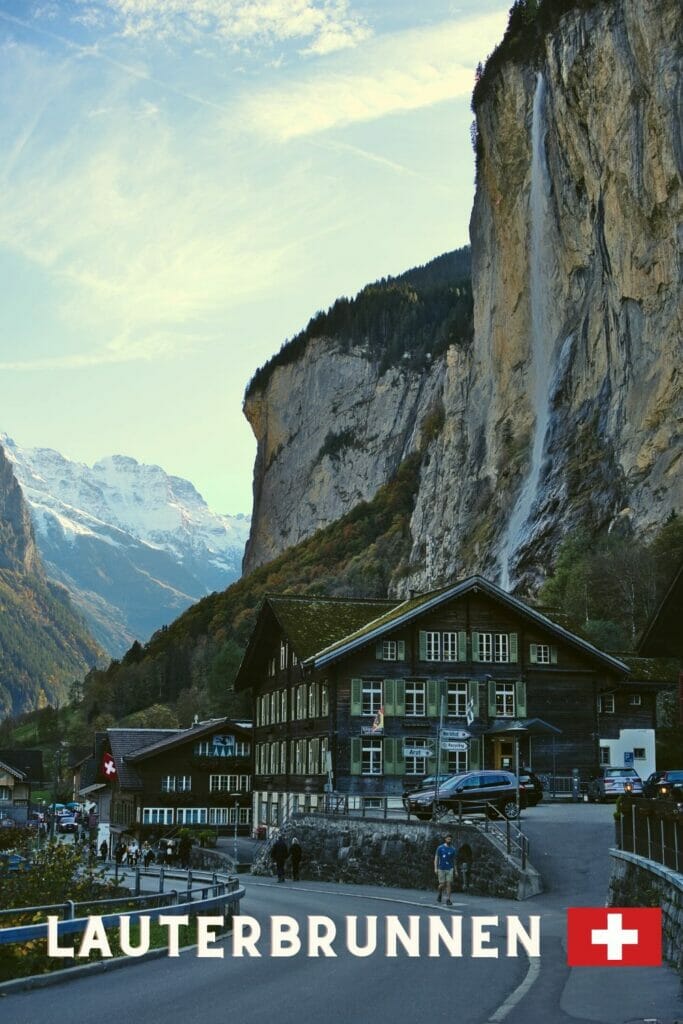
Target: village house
x=348, y=695
x=152, y=782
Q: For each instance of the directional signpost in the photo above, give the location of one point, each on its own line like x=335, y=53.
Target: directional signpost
x=454, y=745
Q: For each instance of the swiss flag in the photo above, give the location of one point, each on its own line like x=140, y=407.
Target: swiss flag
x=108, y=767
x=614, y=937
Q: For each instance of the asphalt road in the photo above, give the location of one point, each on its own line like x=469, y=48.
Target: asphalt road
x=568, y=845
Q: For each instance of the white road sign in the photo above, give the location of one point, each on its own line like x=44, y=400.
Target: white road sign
x=455, y=734
x=454, y=745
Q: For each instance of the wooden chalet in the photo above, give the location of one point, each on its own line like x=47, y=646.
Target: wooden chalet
x=347, y=694
x=166, y=779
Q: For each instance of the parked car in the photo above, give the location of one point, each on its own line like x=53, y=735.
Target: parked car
x=429, y=782
x=67, y=823
x=7, y=823
x=661, y=784
x=532, y=786
x=612, y=782
x=475, y=790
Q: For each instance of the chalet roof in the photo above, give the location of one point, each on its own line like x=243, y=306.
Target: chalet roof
x=16, y=772
x=31, y=761
x=663, y=634
x=313, y=623
x=124, y=742
x=214, y=725
x=406, y=611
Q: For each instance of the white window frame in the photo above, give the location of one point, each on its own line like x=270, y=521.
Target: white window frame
x=157, y=815
x=542, y=654
x=501, y=648
x=219, y=815
x=183, y=783
x=415, y=699
x=639, y=754
x=457, y=700
x=635, y=700
x=432, y=646
x=244, y=815
x=324, y=699
x=283, y=705
x=389, y=650
x=191, y=815
x=505, y=700
x=242, y=748
x=284, y=654
x=606, y=704
x=485, y=644
x=417, y=765
x=458, y=760
x=371, y=756
x=168, y=783
x=371, y=696
x=449, y=646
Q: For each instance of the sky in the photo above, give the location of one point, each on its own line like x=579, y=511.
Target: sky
x=185, y=183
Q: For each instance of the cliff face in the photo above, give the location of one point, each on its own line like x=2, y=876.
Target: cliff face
x=567, y=406
x=17, y=544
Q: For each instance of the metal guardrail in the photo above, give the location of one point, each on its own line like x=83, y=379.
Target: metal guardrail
x=211, y=894
x=651, y=832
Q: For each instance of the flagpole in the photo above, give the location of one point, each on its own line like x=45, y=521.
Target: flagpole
x=438, y=758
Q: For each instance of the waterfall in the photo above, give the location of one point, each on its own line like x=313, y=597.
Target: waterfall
x=518, y=526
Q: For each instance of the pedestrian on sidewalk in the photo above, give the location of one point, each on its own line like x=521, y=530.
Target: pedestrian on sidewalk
x=104, y=849
x=444, y=862
x=279, y=854
x=295, y=853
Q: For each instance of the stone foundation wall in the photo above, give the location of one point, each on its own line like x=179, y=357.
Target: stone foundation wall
x=396, y=854
x=638, y=882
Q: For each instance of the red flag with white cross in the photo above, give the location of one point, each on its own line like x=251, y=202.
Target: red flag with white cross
x=108, y=767
x=614, y=937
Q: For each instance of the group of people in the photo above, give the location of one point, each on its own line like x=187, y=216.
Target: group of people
x=129, y=852
x=280, y=853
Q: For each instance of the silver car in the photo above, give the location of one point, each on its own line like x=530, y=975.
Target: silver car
x=614, y=782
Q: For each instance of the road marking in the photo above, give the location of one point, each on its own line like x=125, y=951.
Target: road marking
x=355, y=895
x=519, y=993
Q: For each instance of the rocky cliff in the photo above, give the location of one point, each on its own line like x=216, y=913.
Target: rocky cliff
x=566, y=407
x=44, y=645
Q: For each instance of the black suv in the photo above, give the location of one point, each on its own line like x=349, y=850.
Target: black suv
x=473, y=790
x=663, y=784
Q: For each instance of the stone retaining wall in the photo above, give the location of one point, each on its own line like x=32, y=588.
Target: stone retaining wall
x=638, y=882
x=396, y=854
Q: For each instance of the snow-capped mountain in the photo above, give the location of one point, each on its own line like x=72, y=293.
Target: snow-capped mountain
x=134, y=545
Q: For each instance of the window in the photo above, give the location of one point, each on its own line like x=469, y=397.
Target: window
x=605, y=756
x=312, y=697
x=415, y=699
x=634, y=700
x=191, y=815
x=176, y=783
x=324, y=746
x=501, y=647
x=371, y=698
x=218, y=816
x=433, y=649
x=283, y=757
x=283, y=706
x=324, y=699
x=371, y=756
x=225, y=783
x=245, y=815
x=457, y=700
x=271, y=667
x=157, y=815
x=388, y=650
x=485, y=646
x=5, y=793
x=505, y=700
x=639, y=753
x=606, y=704
x=284, y=654
x=274, y=707
x=168, y=784
x=242, y=749
x=543, y=654
x=301, y=701
x=457, y=760
x=450, y=646
x=416, y=764
x=274, y=758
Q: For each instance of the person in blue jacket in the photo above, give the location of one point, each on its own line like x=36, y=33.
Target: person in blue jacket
x=444, y=866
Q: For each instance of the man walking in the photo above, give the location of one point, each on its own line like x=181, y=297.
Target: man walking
x=279, y=854
x=444, y=861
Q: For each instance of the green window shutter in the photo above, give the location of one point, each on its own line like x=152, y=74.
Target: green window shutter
x=400, y=697
x=462, y=645
x=474, y=755
x=432, y=698
x=378, y=650
x=389, y=696
x=520, y=694
x=514, y=647
x=392, y=757
x=475, y=646
x=553, y=655
x=533, y=654
x=355, y=755
x=492, y=698
x=356, y=696
x=423, y=645
x=401, y=650
x=473, y=695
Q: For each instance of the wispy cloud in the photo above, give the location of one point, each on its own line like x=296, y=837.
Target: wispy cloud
x=328, y=25
x=405, y=71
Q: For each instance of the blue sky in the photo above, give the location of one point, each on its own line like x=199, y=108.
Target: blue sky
x=186, y=182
